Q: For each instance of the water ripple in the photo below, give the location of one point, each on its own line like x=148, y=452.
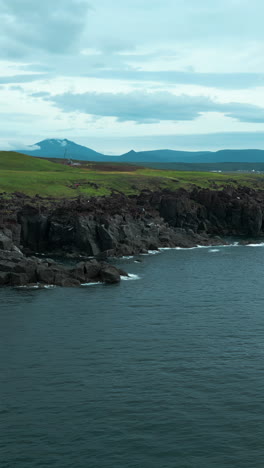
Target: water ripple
x=162, y=372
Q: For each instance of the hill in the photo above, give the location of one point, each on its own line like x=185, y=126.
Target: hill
x=31, y=176
x=13, y=161
x=171, y=156
x=63, y=148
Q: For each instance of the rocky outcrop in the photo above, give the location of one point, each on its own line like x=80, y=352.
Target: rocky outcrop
x=18, y=270
x=119, y=225
x=113, y=226
x=238, y=212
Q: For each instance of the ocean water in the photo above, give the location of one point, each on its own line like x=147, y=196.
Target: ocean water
x=165, y=370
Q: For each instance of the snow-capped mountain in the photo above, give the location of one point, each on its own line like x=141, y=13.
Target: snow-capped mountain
x=62, y=148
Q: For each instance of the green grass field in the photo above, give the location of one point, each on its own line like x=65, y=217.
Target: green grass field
x=32, y=176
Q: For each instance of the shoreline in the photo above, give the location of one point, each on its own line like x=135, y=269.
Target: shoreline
x=88, y=233
x=133, y=276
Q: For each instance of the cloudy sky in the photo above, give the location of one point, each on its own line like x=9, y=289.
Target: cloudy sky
x=141, y=74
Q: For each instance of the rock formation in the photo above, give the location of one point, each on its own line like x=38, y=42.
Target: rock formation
x=19, y=270
x=116, y=226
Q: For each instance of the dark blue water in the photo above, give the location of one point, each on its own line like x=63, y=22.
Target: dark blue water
x=162, y=372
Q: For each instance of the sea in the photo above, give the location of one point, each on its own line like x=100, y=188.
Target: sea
x=164, y=370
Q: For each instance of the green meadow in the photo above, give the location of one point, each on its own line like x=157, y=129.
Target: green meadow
x=32, y=176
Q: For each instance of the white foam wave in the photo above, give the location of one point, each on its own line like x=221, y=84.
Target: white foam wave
x=260, y=244
x=89, y=284
x=152, y=252
x=163, y=249
x=234, y=244
x=130, y=277
x=214, y=250
x=37, y=286
x=220, y=245
x=189, y=248
x=185, y=248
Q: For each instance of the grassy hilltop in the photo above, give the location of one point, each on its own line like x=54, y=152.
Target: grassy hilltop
x=30, y=175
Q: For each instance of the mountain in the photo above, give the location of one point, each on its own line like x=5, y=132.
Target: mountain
x=170, y=156
x=162, y=156
x=57, y=148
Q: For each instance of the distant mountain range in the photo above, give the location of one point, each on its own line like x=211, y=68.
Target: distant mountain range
x=57, y=148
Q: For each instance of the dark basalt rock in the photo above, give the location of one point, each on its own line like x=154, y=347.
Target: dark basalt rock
x=17, y=270
x=4, y=278
x=116, y=226
x=5, y=242
x=109, y=274
x=92, y=269
x=228, y=212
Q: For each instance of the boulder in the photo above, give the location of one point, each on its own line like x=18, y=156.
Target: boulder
x=27, y=267
x=18, y=279
x=69, y=283
x=4, y=278
x=45, y=275
x=122, y=272
x=78, y=272
x=110, y=274
x=92, y=269
x=5, y=242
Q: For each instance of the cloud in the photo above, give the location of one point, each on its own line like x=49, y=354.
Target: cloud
x=128, y=67
x=18, y=145
x=40, y=94
x=120, y=68
x=83, y=46
x=245, y=112
x=215, y=80
x=173, y=22
x=21, y=78
x=45, y=26
x=143, y=107
x=133, y=35
x=97, y=69
x=67, y=26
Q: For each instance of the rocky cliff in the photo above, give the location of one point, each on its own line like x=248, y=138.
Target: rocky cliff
x=227, y=212
x=120, y=225
x=109, y=226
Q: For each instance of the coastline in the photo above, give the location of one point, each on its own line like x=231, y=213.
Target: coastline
x=87, y=233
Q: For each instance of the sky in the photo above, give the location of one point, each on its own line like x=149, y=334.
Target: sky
x=132, y=74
